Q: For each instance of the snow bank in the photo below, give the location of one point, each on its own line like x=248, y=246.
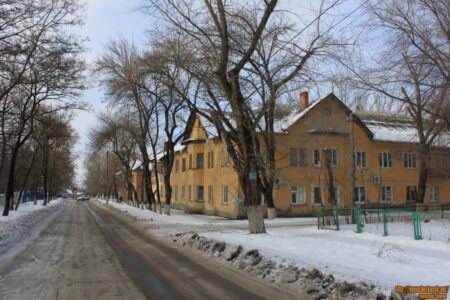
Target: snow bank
x=18, y=223
x=396, y=259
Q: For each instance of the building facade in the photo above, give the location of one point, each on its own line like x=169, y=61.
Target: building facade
x=315, y=151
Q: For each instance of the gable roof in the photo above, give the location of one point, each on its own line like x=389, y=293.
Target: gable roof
x=290, y=120
x=208, y=127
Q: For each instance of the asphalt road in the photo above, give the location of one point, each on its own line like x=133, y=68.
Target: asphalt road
x=89, y=252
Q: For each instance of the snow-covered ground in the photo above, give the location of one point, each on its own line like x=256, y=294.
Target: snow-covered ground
x=18, y=223
x=396, y=259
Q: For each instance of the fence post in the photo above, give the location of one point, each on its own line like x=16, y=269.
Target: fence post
x=318, y=217
x=358, y=220
x=385, y=223
x=337, y=218
x=417, y=225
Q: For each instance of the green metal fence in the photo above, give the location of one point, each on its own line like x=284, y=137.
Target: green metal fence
x=334, y=217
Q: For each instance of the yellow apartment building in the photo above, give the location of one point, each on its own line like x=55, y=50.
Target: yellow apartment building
x=385, y=151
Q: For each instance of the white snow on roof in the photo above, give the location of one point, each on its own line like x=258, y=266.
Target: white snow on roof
x=177, y=148
x=287, y=122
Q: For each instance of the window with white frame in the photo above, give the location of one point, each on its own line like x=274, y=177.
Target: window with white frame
x=333, y=156
x=183, y=192
x=200, y=160
x=360, y=159
x=210, y=193
x=386, y=193
x=411, y=194
x=176, y=192
x=434, y=193
x=385, y=159
x=177, y=166
x=359, y=194
x=409, y=160
x=316, y=157
x=317, y=197
x=224, y=194
x=297, y=195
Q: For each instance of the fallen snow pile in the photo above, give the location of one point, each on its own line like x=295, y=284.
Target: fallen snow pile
x=20, y=222
x=312, y=281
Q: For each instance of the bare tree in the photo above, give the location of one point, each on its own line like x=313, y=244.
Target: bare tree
x=41, y=67
x=412, y=67
x=222, y=41
x=126, y=84
x=112, y=134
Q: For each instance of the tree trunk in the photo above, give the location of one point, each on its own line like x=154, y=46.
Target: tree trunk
x=255, y=219
x=423, y=175
x=271, y=213
x=10, y=185
x=168, y=193
x=167, y=209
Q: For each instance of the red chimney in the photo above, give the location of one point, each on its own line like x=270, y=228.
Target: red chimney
x=304, y=100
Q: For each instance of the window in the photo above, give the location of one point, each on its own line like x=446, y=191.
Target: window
x=224, y=157
x=316, y=157
x=210, y=160
x=302, y=154
x=183, y=192
x=409, y=159
x=200, y=160
x=176, y=192
x=359, y=194
x=317, y=197
x=200, y=191
x=224, y=194
x=210, y=193
x=434, y=193
x=177, y=166
x=332, y=155
x=293, y=157
x=190, y=161
x=297, y=195
x=190, y=193
x=385, y=159
x=411, y=194
x=360, y=159
x=183, y=165
x=386, y=193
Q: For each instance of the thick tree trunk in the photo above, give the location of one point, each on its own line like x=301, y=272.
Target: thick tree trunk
x=271, y=213
x=167, y=209
x=423, y=175
x=168, y=192
x=255, y=219
x=9, y=193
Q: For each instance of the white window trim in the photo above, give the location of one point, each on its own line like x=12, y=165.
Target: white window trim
x=431, y=194
x=388, y=167
x=392, y=194
x=297, y=197
x=365, y=193
x=407, y=157
x=365, y=160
